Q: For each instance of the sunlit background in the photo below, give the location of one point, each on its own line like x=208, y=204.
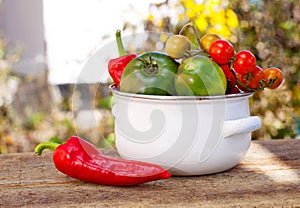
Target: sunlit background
x=44, y=45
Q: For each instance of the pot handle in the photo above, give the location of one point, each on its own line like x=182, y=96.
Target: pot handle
x=242, y=125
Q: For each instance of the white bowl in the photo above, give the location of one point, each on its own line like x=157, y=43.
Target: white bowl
x=187, y=135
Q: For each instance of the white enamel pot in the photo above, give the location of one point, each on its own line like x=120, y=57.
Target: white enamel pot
x=185, y=134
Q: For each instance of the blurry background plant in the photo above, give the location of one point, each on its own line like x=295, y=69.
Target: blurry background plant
x=24, y=120
x=271, y=29
x=8, y=87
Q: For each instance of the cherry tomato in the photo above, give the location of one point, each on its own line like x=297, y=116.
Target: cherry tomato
x=245, y=62
x=221, y=51
x=177, y=46
x=231, y=81
x=207, y=40
x=253, y=81
x=233, y=90
x=274, y=77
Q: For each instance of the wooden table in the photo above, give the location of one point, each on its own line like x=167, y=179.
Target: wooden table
x=269, y=176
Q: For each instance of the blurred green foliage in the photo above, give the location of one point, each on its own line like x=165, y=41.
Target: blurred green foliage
x=7, y=90
x=109, y=141
x=34, y=120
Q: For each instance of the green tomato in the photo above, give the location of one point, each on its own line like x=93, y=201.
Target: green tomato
x=177, y=46
x=200, y=76
x=151, y=73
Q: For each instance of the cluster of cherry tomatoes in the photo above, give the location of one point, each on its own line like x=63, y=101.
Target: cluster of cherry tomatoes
x=240, y=68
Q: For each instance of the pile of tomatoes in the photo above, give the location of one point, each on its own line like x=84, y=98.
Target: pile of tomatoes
x=240, y=68
x=214, y=68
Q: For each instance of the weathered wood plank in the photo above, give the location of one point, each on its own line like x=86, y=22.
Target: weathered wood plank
x=269, y=176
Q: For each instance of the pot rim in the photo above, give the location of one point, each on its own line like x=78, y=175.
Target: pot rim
x=114, y=89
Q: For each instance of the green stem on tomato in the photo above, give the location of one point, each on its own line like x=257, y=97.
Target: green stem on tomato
x=197, y=35
x=191, y=24
x=246, y=86
x=120, y=44
x=271, y=82
x=184, y=27
x=237, y=80
x=45, y=145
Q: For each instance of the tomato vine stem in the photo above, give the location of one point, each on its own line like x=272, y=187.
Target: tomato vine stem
x=191, y=24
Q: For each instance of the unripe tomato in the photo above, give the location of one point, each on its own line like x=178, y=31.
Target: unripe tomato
x=200, y=76
x=177, y=46
x=221, y=51
x=207, y=40
x=274, y=77
x=151, y=73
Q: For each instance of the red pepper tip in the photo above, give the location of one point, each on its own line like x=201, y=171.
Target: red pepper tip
x=166, y=174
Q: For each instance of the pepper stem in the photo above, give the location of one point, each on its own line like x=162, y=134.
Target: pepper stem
x=45, y=145
x=120, y=44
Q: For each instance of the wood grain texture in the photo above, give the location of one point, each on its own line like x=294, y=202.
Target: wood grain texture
x=269, y=176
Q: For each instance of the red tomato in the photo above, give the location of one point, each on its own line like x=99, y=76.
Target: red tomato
x=245, y=62
x=254, y=81
x=231, y=81
x=221, y=51
x=233, y=90
x=274, y=77
x=243, y=81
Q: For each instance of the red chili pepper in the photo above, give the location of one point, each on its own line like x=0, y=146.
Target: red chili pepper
x=116, y=66
x=81, y=160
